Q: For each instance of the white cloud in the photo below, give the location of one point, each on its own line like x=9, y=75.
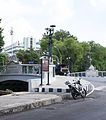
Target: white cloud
x=45, y=2
x=21, y=28
x=30, y=18
x=57, y=11
x=64, y=10
x=101, y=4
x=93, y=3
x=18, y=15
x=9, y=8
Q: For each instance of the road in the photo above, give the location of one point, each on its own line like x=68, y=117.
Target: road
x=92, y=108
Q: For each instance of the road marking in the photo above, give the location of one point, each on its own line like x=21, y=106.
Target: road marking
x=100, y=88
x=93, y=88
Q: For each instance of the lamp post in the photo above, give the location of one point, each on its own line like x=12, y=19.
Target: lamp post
x=50, y=32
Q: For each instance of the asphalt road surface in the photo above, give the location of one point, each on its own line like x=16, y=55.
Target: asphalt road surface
x=92, y=108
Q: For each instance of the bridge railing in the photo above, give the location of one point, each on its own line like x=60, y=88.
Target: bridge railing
x=2, y=69
x=31, y=69
x=21, y=69
x=83, y=74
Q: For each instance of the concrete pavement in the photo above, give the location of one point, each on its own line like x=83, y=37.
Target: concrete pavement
x=18, y=102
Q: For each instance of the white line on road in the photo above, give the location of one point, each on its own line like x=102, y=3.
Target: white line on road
x=100, y=88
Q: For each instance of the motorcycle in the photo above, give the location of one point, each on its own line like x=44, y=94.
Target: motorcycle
x=76, y=89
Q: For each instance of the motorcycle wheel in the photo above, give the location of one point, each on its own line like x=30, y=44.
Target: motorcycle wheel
x=74, y=96
x=83, y=94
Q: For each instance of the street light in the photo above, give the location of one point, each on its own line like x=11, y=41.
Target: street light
x=50, y=32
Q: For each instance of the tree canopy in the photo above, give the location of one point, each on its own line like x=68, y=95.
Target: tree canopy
x=1, y=38
x=28, y=56
x=3, y=56
x=78, y=56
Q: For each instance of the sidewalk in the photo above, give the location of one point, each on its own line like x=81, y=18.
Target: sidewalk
x=24, y=101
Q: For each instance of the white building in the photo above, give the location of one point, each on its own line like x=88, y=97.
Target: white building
x=27, y=43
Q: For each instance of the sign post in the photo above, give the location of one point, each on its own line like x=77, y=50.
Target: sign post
x=44, y=68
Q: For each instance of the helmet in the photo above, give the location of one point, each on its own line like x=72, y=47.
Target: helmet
x=67, y=82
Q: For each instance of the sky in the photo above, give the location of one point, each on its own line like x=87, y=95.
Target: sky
x=85, y=19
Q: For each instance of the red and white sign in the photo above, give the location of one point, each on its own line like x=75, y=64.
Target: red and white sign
x=45, y=65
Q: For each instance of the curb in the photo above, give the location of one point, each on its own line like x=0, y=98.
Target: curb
x=30, y=105
x=51, y=90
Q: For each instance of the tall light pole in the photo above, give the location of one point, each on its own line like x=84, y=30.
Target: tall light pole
x=50, y=32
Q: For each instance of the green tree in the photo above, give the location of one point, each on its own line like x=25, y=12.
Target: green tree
x=1, y=38
x=85, y=61
x=61, y=35
x=44, y=42
x=79, y=55
x=65, y=46
x=73, y=53
x=4, y=58
x=26, y=56
x=98, y=55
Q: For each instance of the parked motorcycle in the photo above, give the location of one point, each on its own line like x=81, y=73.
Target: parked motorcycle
x=76, y=89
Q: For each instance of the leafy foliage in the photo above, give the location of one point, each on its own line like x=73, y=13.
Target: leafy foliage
x=3, y=59
x=1, y=38
x=78, y=56
x=28, y=56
